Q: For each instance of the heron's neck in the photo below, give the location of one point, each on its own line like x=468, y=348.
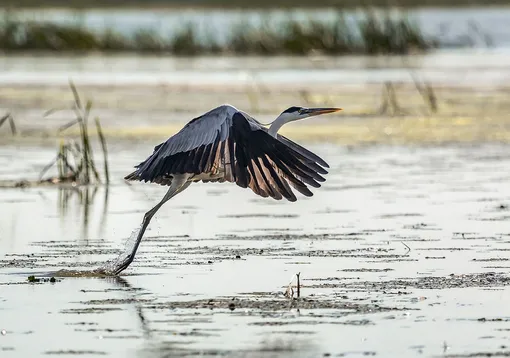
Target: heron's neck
x=277, y=124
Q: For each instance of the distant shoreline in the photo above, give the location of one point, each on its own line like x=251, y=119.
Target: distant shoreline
x=232, y=4
x=377, y=35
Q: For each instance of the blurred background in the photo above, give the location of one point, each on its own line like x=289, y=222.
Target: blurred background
x=404, y=71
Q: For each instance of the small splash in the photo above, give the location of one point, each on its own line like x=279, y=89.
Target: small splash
x=110, y=267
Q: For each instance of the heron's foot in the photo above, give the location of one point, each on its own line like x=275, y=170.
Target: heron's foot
x=100, y=271
x=124, y=264
x=104, y=270
x=113, y=268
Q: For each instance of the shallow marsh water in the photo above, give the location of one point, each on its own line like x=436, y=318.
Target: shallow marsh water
x=402, y=252
x=487, y=68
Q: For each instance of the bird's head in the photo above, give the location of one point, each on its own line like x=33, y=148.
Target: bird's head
x=295, y=113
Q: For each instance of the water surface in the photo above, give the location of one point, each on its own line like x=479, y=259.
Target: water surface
x=402, y=252
x=480, y=68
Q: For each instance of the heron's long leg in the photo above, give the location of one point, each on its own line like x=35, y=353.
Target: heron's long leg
x=179, y=183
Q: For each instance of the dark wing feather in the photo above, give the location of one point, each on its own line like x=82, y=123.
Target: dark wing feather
x=279, y=163
x=227, y=141
x=283, y=155
x=177, y=154
x=311, y=157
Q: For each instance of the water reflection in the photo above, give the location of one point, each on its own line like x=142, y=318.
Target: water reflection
x=271, y=345
x=84, y=200
x=274, y=344
x=123, y=283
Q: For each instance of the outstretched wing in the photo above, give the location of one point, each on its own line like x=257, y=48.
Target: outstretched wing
x=191, y=150
x=230, y=143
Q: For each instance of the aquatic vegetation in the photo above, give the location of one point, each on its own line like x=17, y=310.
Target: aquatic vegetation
x=385, y=34
x=75, y=160
x=428, y=95
x=146, y=40
x=186, y=42
x=111, y=41
x=18, y=35
x=79, y=4
x=8, y=118
x=374, y=33
x=390, y=104
x=289, y=292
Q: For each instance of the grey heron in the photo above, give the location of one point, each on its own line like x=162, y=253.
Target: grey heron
x=228, y=145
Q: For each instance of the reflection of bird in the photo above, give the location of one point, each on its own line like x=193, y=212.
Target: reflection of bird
x=226, y=144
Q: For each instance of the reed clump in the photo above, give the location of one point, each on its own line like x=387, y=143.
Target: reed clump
x=387, y=34
x=373, y=33
x=75, y=160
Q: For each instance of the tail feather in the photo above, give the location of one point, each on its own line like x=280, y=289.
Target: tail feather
x=132, y=176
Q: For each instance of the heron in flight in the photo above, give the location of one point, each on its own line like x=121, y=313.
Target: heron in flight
x=226, y=144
